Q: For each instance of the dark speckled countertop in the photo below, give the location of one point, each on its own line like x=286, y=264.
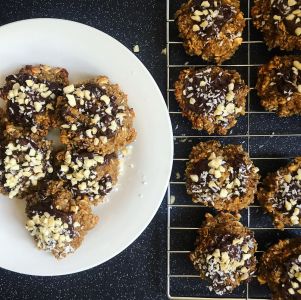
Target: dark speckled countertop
x=139, y=272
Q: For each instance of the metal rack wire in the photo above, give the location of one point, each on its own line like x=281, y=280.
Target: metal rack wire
x=182, y=280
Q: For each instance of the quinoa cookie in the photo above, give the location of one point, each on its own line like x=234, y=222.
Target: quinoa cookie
x=280, y=269
x=211, y=29
x=31, y=96
x=279, y=85
x=24, y=161
x=56, y=221
x=224, y=253
x=211, y=98
x=95, y=116
x=280, y=195
x=222, y=177
x=279, y=21
x=87, y=173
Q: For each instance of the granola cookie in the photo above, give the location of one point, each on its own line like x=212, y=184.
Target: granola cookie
x=31, y=97
x=280, y=269
x=95, y=117
x=24, y=161
x=87, y=173
x=224, y=253
x=222, y=177
x=279, y=21
x=211, y=29
x=279, y=85
x=212, y=98
x=280, y=195
x=56, y=221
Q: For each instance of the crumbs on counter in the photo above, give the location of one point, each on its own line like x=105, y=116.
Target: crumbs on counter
x=136, y=49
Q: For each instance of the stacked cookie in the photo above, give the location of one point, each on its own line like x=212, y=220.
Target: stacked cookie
x=60, y=187
x=224, y=177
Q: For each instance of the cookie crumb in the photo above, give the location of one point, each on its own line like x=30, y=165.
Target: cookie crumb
x=136, y=49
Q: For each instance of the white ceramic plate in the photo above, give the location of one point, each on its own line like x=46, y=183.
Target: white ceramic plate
x=86, y=52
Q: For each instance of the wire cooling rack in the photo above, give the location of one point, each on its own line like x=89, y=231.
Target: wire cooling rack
x=270, y=141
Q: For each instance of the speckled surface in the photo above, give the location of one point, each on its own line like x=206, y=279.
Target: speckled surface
x=139, y=272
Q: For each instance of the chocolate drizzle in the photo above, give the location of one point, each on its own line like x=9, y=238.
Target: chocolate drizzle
x=288, y=195
x=208, y=184
x=215, y=14
x=290, y=281
x=105, y=184
x=88, y=109
x=24, y=114
x=46, y=204
x=80, y=171
x=200, y=167
x=287, y=80
x=225, y=260
x=282, y=11
x=22, y=164
x=206, y=89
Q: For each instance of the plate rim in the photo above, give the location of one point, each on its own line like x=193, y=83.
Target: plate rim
x=170, y=144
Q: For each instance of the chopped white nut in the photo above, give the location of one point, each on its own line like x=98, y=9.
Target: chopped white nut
x=194, y=178
x=71, y=100
x=136, y=48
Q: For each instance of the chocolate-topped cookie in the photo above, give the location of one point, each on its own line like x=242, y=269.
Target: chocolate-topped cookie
x=279, y=21
x=56, y=221
x=211, y=98
x=95, y=117
x=211, y=29
x=279, y=85
x=222, y=177
x=280, y=195
x=87, y=173
x=24, y=161
x=224, y=253
x=280, y=269
x=31, y=96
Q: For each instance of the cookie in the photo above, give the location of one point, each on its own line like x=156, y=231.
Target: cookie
x=224, y=253
x=280, y=195
x=24, y=161
x=95, y=117
x=280, y=269
x=212, y=98
x=31, y=96
x=279, y=21
x=56, y=221
x=211, y=29
x=87, y=173
x=279, y=85
x=222, y=177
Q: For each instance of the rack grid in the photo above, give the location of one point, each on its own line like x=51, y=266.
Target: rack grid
x=270, y=141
